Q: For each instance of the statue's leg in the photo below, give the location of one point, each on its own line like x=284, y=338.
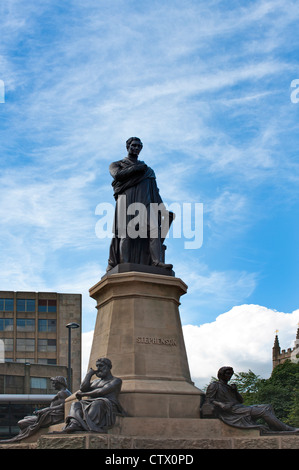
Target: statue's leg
x=27, y=421
x=74, y=418
x=266, y=412
x=155, y=242
x=124, y=248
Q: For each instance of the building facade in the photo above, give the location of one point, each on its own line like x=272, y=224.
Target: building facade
x=33, y=330
x=280, y=356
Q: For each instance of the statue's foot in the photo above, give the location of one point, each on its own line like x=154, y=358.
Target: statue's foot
x=109, y=267
x=296, y=430
x=163, y=265
x=72, y=427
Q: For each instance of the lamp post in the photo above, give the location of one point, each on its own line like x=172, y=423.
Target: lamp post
x=70, y=326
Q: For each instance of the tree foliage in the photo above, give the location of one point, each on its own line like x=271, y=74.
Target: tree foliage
x=281, y=390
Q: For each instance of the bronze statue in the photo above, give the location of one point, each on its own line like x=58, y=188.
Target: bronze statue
x=97, y=411
x=45, y=417
x=135, y=183
x=228, y=404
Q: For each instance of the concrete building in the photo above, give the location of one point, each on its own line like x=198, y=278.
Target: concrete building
x=33, y=331
x=26, y=379
x=280, y=356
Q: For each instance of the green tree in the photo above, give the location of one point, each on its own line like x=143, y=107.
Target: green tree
x=293, y=416
x=281, y=391
x=248, y=384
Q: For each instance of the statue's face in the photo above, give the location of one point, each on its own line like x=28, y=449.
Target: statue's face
x=102, y=369
x=135, y=147
x=228, y=374
x=55, y=384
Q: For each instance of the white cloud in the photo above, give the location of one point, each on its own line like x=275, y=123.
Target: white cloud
x=87, y=338
x=242, y=338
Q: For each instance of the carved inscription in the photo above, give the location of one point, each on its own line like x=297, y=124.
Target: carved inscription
x=155, y=340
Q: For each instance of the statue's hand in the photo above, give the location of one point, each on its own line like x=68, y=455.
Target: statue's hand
x=223, y=406
x=79, y=395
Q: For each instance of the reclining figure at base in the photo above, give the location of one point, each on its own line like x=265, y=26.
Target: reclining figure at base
x=97, y=411
x=53, y=414
x=228, y=405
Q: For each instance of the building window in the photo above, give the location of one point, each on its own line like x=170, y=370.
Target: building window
x=38, y=383
x=47, y=326
x=25, y=305
x=8, y=344
x=6, y=305
x=25, y=324
x=47, y=306
x=6, y=324
x=25, y=344
x=26, y=360
x=52, y=362
x=46, y=345
x=13, y=384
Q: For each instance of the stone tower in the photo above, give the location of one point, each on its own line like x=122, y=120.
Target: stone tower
x=279, y=357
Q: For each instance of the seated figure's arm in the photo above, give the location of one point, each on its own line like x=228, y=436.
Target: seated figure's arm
x=213, y=398
x=101, y=391
x=85, y=385
x=211, y=392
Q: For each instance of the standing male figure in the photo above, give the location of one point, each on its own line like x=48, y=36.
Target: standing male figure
x=134, y=184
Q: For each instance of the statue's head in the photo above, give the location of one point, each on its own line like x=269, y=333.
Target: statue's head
x=134, y=145
x=104, y=366
x=225, y=373
x=104, y=361
x=59, y=380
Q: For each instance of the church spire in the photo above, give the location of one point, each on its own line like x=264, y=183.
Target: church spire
x=275, y=351
x=276, y=346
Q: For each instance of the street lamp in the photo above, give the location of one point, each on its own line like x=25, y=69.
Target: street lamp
x=70, y=326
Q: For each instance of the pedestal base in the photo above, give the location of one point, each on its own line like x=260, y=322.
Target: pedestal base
x=160, y=433
x=138, y=328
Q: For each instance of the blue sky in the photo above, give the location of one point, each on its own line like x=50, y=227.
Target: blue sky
x=207, y=87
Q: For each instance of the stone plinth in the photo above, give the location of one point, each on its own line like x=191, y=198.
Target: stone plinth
x=138, y=328
x=169, y=433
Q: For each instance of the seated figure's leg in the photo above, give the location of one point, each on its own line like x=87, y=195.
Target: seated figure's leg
x=27, y=421
x=74, y=418
x=266, y=412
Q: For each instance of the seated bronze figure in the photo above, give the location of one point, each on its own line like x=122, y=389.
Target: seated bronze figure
x=54, y=414
x=97, y=411
x=224, y=401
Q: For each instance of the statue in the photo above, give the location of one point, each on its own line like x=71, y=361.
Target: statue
x=98, y=410
x=227, y=402
x=134, y=183
x=45, y=417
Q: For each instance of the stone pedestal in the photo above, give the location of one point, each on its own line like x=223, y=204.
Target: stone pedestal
x=138, y=328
